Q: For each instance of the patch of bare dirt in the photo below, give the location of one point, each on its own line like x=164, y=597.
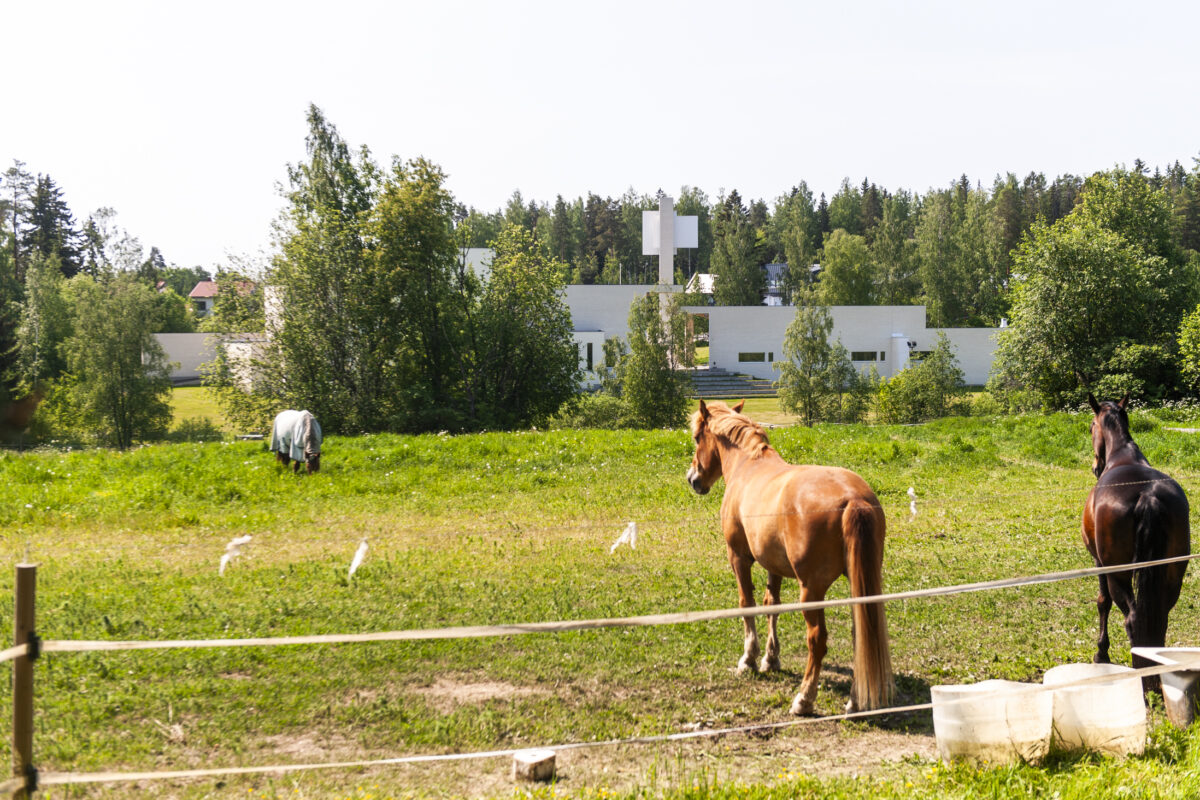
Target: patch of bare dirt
x=819, y=749
x=311, y=747
x=446, y=693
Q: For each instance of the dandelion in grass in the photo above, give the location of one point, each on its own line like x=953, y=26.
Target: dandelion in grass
x=232, y=551
x=628, y=536
x=359, y=555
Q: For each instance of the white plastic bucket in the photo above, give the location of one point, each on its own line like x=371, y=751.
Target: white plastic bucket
x=1106, y=717
x=993, y=722
x=1180, y=688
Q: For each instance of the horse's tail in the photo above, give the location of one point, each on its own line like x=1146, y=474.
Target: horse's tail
x=1149, y=544
x=863, y=527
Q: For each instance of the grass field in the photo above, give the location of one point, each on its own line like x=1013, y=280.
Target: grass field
x=195, y=402
x=488, y=528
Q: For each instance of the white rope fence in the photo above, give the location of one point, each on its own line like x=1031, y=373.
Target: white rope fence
x=68, y=778
x=484, y=631
x=66, y=646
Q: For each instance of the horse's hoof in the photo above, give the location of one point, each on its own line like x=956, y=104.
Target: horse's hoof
x=802, y=708
x=769, y=664
x=851, y=707
x=744, y=668
x=1101, y=658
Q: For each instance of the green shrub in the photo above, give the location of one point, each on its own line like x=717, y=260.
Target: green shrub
x=601, y=411
x=196, y=429
x=931, y=388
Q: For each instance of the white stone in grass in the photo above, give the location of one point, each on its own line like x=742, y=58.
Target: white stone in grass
x=533, y=765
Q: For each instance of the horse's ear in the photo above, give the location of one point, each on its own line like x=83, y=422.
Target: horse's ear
x=1092, y=402
x=703, y=410
x=737, y=408
x=1124, y=402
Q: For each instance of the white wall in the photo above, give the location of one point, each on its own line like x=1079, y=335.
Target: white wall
x=595, y=340
x=862, y=329
x=603, y=308
x=187, y=351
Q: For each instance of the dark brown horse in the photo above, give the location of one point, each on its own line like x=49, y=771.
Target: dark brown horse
x=1134, y=513
x=813, y=524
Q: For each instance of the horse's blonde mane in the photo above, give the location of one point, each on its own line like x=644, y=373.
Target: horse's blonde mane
x=740, y=430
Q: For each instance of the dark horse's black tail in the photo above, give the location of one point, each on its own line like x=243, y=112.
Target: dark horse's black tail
x=1149, y=544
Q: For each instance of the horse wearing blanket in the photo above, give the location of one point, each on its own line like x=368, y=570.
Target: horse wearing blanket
x=296, y=436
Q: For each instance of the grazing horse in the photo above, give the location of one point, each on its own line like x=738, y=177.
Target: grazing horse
x=810, y=523
x=296, y=436
x=1134, y=513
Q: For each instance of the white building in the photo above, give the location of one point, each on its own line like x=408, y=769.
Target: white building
x=742, y=339
x=749, y=339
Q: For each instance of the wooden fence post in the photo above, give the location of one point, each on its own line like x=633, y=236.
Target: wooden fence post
x=23, y=632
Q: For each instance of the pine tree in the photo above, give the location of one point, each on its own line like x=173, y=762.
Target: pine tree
x=51, y=228
x=738, y=279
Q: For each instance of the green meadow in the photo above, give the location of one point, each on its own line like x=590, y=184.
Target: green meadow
x=517, y=527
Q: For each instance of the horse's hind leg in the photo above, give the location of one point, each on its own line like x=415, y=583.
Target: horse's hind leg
x=770, y=659
x=741, y=564
x=1103, y=606
x=817, y=635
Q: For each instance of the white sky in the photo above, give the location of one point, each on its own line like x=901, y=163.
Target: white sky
x=183, y=117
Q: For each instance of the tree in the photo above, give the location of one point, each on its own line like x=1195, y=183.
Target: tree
x=689, y=261
x=10, y=299
x=937, y=250
x=796, y=229
x=1103, y=293
x=1189, y=351
x=654, y=377
x=519, y=363
x=331, y=349
x=237, y=307
x=51, y=227
x=182, y=280
x=121, y=379
x=45, y=322
x=411, y=315
x=18, y=190
x=925, y=390
x=846, y=209
x=847, y=273
x=175, y=313
x=153, y=269
x=738, y=279
x=816, y=377
x=894, y=252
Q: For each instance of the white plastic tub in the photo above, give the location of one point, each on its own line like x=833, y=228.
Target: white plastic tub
x=1107, y=717
x=994, y=721
x=1180, y=688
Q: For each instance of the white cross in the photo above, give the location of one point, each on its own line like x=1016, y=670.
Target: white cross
x=663, y=232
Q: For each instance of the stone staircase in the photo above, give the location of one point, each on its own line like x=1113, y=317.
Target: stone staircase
x=718, y=383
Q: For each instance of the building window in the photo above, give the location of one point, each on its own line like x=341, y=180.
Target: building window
x=744, y=357
x=882, y=356
x=589, y=356
x=862, y=355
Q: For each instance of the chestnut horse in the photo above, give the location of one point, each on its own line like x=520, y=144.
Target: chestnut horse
x=296, y=436
x=811, y=523
x=1134, y=513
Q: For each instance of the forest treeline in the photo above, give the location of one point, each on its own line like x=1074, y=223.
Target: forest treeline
x=950, y=249
x=388, y=329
